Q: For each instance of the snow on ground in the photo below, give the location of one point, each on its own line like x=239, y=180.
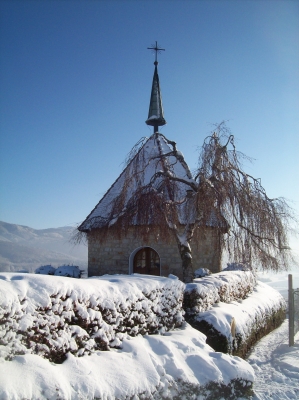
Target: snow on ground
x=148, y=365
x=279, y=281
x=276, y=366
x=157, y=366
x=151, y=364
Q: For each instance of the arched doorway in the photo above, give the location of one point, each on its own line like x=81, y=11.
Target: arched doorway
x=146, y=261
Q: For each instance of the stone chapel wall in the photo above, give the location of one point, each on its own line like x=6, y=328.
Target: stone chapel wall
x=206, y=253
x=113, y=255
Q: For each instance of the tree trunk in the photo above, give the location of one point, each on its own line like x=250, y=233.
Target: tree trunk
x=186, y=263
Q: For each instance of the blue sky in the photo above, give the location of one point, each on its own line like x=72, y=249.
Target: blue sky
x=75, y=82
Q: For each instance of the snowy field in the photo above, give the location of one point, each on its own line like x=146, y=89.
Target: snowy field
x=279, y=281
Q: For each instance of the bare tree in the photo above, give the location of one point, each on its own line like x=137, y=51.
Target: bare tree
x=258, y=225
x=252, y=227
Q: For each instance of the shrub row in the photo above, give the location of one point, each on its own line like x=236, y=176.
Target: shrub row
x=234, y=328
x=60, y=315
x=224, y=286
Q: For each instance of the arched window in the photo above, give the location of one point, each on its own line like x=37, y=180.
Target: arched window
x=146, y=261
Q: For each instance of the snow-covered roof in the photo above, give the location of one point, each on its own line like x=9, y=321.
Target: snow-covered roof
x=155, y=156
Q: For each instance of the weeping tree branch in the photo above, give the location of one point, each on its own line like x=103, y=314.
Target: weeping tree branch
x=259, y=226
x=221, y=194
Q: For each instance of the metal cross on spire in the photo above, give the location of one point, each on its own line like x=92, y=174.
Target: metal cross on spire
x=155, y=113
x=157, y=50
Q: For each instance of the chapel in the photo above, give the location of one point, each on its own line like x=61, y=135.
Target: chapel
x=127, y=231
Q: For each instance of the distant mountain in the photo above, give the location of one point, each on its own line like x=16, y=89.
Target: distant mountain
x=24, y=248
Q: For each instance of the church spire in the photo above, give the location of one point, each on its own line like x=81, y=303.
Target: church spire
x=155, y=113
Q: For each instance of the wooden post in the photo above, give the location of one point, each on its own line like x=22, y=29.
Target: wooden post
x=291, y=311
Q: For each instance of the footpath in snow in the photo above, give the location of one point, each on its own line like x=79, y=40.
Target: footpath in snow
x=276, y=365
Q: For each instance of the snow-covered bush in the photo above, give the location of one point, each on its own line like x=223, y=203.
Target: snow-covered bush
x=52, y=316
x=233, y=328
x=224, y=286
x=178, y=365
x=201, y=272
x=45, y=270
x=71, y=271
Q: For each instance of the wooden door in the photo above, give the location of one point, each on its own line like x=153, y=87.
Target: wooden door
x=147, y=261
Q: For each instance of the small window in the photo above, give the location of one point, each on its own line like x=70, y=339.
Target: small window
x=147, y=261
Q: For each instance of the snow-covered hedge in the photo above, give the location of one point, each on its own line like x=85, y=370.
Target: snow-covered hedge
x=225, y=286
x=178, y=365
x=51, y=316
x=233, y=328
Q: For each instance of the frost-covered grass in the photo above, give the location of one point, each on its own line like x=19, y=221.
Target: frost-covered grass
x=52, y=316
x=235, y=327
x=225, y=286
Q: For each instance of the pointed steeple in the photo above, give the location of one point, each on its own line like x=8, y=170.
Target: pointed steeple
x=155, y=113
